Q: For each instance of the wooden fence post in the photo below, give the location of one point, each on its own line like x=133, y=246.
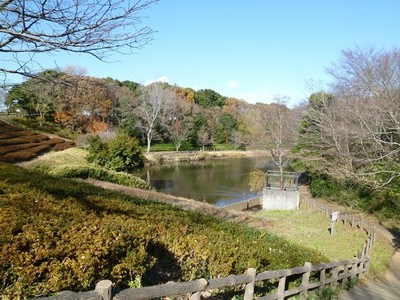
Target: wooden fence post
x=281, y=288
x=197, y=295
x=335, y=274
x=249, y=289
x=346, y=273
x=354, y=268
x=322, y=278
x=103, y=288
x=305, y=279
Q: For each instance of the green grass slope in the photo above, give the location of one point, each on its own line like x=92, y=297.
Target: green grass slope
x=57, y=234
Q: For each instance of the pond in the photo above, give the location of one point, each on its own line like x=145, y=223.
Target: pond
x=216, y=181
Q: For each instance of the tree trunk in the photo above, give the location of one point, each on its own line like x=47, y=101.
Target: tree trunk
x=148, y=141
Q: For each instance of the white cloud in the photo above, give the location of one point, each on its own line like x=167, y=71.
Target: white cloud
x=161, y=79
x=232, y=84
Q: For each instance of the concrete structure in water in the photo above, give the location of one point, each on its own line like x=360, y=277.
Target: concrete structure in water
x=281, y=191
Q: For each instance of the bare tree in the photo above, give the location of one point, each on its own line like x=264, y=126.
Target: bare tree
x=281, y=132
x=356, y=131
x=154, y=106
x=177, y=121
x=94, y=27
x=204, y=137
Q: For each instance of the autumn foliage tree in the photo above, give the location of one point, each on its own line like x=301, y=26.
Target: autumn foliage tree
x=84, y=100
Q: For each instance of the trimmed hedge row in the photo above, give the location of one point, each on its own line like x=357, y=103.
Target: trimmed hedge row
x=20, y=145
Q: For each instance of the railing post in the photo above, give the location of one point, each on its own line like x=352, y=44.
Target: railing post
x=322, y=278
x=354, y=268
x=103, y=288
x=197, y=295
x=281, y=288
x=305, y=279
x=249, y=289
x=335, y=274
x=346, y=273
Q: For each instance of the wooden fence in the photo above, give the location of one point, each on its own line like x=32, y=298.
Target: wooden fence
x=348, y=218
x=281, y=283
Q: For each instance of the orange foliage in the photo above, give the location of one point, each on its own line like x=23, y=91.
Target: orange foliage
x=98, y=126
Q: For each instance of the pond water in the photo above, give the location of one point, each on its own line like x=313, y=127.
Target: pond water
x=216, y=181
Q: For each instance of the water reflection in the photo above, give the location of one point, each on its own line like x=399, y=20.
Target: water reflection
x=216, y=181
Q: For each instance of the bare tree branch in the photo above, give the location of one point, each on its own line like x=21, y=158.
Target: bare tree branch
x=94, y=27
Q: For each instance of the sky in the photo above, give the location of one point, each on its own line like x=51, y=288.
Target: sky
x=252, y=50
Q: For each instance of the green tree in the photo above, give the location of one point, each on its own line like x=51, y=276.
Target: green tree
x=121, y=153
x=209, y=98
x=225, y=126
x=38, y=95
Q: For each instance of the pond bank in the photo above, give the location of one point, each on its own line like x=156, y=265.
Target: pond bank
x=155, y=158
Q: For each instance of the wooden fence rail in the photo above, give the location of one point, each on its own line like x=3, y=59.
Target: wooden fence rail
x=312, y=277
x=284, y=283
x=348, y=218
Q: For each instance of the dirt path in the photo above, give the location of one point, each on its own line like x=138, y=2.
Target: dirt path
x=389, y=287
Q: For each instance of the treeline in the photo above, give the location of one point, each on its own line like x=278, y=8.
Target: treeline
x=156, y=113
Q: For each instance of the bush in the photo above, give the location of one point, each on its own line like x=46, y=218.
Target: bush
x=121, y=154
x=63, y=146
x=19, y=156
x=257, y=181
x=35, y=138
x=12, y=141
x=98, y=173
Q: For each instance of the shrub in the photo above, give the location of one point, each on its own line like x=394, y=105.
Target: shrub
x=121, y=154
x=97, y=173
x=16, y=148
x=35, y=138
x=39, y=149
x=12, y=141
x=257, y=181
x=18, y=156
x=63, y=146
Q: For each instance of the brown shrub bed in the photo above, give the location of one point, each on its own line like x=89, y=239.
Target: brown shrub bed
x=18, y=156
x=18, y=145
x=35, y=138
x=16, y=148
x=63, y=146
x=12, y=141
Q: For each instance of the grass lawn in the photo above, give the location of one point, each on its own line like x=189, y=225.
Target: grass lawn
x=312, y=230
